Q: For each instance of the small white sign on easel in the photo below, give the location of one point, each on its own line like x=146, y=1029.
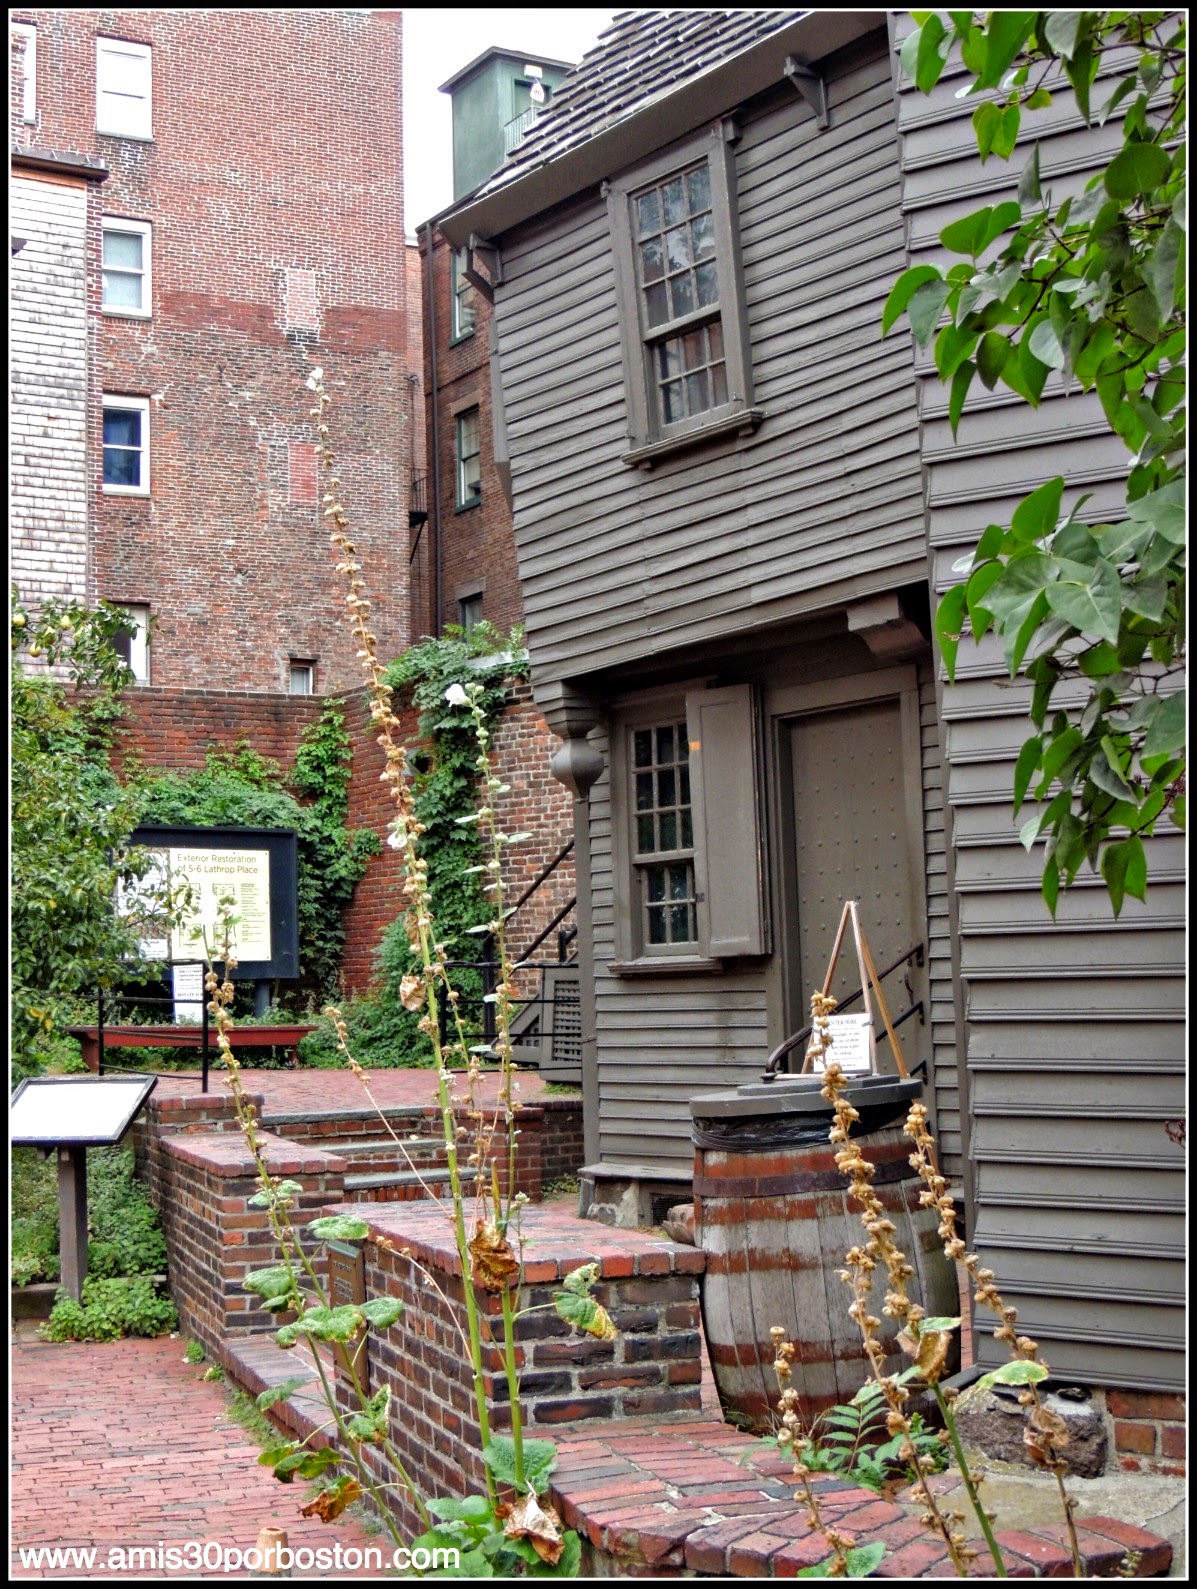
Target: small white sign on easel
x=187, y=990
x=852, y=1043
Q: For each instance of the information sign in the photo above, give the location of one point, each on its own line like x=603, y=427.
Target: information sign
x=83, y=1111
x=851, y=1043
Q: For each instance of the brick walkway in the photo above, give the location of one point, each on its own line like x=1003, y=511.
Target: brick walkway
x=336, y=1091
x=124, y=1444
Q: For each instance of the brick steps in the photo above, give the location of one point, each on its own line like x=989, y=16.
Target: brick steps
x=691, y=1495
x=656, y=1497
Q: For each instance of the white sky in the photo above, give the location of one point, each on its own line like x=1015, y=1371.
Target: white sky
x=438, y=41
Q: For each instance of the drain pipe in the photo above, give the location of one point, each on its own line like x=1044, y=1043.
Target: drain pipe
x=434, y=422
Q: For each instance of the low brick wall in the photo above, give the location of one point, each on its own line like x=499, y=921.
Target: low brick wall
x=214, y=1237
x=648, y=1285
x=1149, y=1431
x=562, y=1149
x=165, y=1116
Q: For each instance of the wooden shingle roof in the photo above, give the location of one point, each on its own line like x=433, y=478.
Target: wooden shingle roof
x=643, y=56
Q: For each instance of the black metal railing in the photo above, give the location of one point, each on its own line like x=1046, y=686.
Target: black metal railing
x=106, y=1009
x=783, y=1050
x=489, y=968
x=417, y=501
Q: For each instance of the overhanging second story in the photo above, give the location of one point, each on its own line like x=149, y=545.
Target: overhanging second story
x=706, y=432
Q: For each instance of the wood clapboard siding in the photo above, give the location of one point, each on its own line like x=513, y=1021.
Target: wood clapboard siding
x=944, y=1061
x=1074, y=1028
x=823, y=503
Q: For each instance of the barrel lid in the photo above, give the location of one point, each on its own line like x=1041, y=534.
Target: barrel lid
x=794, y=1095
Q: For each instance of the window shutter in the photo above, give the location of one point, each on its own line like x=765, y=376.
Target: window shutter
x=725, y=790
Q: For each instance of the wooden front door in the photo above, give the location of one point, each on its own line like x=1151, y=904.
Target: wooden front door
x=852, y=802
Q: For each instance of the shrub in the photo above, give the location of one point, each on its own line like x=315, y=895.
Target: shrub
x=111, y=1308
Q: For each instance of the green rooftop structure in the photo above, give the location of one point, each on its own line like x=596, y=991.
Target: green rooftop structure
x=496, y=98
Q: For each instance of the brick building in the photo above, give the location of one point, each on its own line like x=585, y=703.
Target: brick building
x=187, y=258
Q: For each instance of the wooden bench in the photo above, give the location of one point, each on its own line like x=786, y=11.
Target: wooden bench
x=185, y=1037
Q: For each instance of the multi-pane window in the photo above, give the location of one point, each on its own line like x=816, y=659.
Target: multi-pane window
x=463, y=299
x=469, y=460
x=28, y=32
x=469, y=609
x=663, y=835
x=678, y=277
x=126, y=267
x=124, y=100
x=681, y=298
x=302, y=677
x=127, y=446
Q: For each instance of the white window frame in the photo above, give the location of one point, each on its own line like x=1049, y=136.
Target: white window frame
x=139, y=641
x=473, y=496
x=465, y=312
x=140, y=405
x=28, y=31
x=144, y=229
x=124, y=91
x=296, y=667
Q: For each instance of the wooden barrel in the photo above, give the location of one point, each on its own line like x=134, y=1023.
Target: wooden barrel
x=774, y=1218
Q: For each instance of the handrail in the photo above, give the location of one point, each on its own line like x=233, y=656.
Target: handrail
x=545, y=871
x=915, y=952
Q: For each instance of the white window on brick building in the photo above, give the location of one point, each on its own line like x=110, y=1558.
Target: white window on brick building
x=469, y=460
x=127, y=446
x=28, y=32
x=469, y=610
x=302, y=677
x=132, y=645
x=126, y=268
x=124, y=89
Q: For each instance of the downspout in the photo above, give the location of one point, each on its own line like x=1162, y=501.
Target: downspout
x=434, y=507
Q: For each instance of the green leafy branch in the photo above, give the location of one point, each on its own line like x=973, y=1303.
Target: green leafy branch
x=1092, y=290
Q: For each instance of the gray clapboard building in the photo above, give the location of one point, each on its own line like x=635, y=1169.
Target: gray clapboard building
x=734, y=502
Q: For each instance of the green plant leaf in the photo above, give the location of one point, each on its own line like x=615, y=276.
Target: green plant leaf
x=1016, y=1372
x=1024, y=769
x=1168, y=727
x=281, y=1392
x=961, y=381
x=339, y=1227
x=904, y=289
x=1091, y=601
x=1138, y=168
x=381, y=1312
x=540, y=1458
x=926, y=305
x=1036, y=516
x=949, y=621
x=275, y=1282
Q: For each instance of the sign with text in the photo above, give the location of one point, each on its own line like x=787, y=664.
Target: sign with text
x=254, y=869
x=851, y=1044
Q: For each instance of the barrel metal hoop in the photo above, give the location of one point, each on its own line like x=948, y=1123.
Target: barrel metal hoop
x=789, y=1185
x=799, y=1130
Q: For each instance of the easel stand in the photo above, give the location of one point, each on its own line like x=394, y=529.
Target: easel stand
x=868, y=978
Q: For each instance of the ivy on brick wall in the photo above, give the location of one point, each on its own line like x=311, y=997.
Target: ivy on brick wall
x=69, y=822
x=444, y=777
x=239, y=788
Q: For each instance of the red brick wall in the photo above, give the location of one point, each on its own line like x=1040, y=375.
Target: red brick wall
x=477, y=545
x=173, y=730
x=293, y=166
x=1149, y=1431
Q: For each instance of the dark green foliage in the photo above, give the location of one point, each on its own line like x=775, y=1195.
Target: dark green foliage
x=1092, y=287
x=240, y=788
x=70, y=819
x=445, y=784
x=111, y=1308
x=126, y=1238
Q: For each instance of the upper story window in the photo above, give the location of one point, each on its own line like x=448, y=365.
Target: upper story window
x=126, y=268
x=463, y=300
x=681, y=298
x=469, y=611
x=469, y=460
x=28, y=32
x=124, y=96
x=127, y=446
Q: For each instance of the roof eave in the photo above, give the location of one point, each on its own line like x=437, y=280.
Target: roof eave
x=810, y=37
